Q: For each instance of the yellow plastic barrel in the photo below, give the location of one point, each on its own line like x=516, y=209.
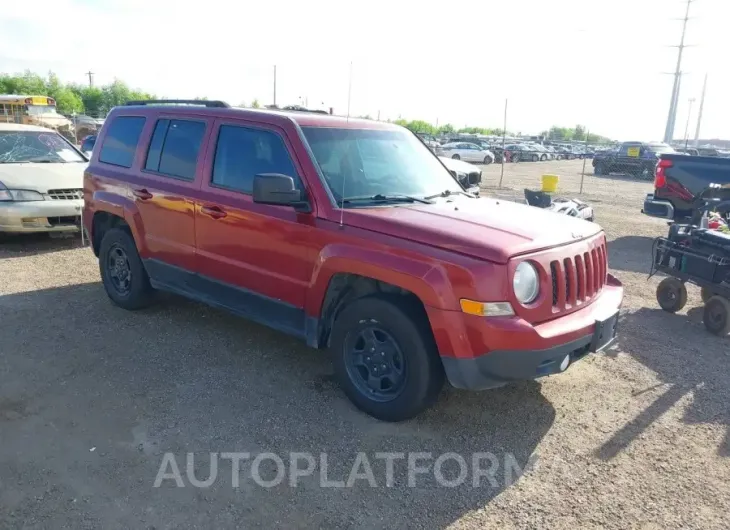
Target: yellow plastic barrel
x=550, y=183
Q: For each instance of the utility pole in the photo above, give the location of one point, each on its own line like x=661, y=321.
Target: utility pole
x=686, y=128
x=274, y=85
x=91, y=78
x=699, y=115
x=669, y=131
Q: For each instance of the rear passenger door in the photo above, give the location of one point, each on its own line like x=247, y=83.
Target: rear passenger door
x=254, y=259
x=163, y=193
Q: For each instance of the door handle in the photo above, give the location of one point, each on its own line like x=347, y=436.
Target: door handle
x=216, y=212
x=142, y=194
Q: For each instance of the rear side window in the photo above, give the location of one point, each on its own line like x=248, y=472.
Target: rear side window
x=121, y=140
x=174, y=148
x=242, y=153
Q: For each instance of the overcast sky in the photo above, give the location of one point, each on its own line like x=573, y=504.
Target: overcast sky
x=599, y=63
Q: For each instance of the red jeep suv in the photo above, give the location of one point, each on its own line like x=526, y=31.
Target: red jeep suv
x=352, y=235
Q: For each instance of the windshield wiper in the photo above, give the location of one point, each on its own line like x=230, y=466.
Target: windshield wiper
x=42, y=161
x=379, y=197
x=447, y=193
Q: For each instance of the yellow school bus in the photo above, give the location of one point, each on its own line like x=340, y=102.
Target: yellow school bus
x=32, y=110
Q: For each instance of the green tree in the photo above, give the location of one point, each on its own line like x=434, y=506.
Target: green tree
x=579, y=133
x=421, y=126
x=255, y=104
x=446, y=129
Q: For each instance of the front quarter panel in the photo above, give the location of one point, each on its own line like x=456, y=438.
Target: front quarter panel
x=420, y=277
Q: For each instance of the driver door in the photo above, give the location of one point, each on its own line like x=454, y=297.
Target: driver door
x=254, y=258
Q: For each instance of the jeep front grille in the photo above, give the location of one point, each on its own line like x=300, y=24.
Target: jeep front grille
x=579, y=278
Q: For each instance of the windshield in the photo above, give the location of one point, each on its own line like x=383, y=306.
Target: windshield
x=365, y=162
x=32, y=146
x=34, y=110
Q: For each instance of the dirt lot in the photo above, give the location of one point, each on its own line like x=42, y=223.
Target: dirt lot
x=92, y=397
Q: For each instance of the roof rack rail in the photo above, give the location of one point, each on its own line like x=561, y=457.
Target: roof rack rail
x=200, y=102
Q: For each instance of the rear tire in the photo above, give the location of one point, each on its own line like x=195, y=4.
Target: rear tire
x=487, y=160
x=717, y=316
x=671, y=295
x=600, y=170
x=535, y=158
x=410, y=363
x=124, y=277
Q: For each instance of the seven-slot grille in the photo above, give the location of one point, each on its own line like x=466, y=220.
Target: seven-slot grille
x=579, y=278
x=65, y=195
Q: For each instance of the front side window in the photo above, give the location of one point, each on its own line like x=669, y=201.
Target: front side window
x=241, y=153
x=174, y=148
x=120, y=141
x=366, y=162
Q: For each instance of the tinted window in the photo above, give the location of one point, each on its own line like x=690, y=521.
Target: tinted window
x=121, y=140
x=174, y=148
x=242, y=153
x=155, y=149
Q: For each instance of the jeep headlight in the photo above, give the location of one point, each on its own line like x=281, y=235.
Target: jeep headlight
x=526, y=283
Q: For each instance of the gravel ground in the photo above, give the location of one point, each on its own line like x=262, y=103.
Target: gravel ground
x=92, y=397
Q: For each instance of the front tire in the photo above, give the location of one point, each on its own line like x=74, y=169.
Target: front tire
x=535, y=158
x=456, y=157
x=385, y=357
x=671, y=295
x=600, y=170
x=124, y=277
x=487, y=160
x=543, y=158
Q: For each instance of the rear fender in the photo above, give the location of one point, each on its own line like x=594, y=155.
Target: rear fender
x=126, y=208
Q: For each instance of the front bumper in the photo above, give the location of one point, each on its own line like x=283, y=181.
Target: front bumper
x=41, y=216
x=480, y=353
x=658, y=208
x=498, y=368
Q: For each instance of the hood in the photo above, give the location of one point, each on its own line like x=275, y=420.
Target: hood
x=490, y=229
x=458, y=165
x=43, y=177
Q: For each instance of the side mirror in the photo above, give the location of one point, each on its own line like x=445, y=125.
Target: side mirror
x=278, y=189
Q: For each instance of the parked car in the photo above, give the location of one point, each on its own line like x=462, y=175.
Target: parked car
x=351, y=235
x=466, y=151
x=41, y=175
x=635, y=158
x=429, y=140
x=680, y=181
x=521, y=153
x=469, y=176
x=87, y=145
x=542, y=152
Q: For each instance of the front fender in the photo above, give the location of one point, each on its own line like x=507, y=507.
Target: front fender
x=427, y=280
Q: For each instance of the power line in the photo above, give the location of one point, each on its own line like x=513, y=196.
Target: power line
x=91, y=78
